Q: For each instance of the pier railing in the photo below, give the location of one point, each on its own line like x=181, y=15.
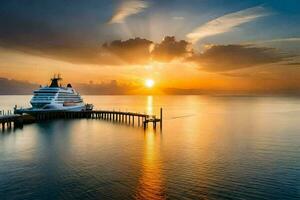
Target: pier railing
x=6, y=112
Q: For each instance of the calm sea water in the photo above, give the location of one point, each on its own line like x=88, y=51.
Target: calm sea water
x=209, y=148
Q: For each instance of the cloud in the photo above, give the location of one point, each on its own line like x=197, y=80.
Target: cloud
x=133, y=51
x=221, y=58
x=112, y=87
x=11, y=86
x=295, y=39
x=46, y=41
x=127, y=8
x=226, y=23
x=142, y=51
x=293, y=63
x=39, y=38
x=170, y=49
x=178, y=18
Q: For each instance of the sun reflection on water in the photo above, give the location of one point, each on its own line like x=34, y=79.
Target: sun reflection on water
x=151, y=184
x=149, y=107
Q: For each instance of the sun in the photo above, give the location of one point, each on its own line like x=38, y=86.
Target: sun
x=149, y=83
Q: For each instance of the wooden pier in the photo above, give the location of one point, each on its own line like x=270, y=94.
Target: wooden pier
x=130, y=118
x=15, y=121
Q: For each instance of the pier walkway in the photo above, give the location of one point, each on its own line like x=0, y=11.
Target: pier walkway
x=132, y=118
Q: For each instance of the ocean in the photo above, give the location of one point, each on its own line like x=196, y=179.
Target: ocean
x=209, y=148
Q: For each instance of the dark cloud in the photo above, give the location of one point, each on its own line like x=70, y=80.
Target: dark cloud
x=170, y=49
x=293, y=63
x=38, y=38
x=34, y=29
x=35, y=36
x=133, y=51
x=10, y=86
x=221, y=58
x=141, y=51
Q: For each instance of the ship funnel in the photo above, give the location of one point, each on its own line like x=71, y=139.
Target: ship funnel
x=55, y=81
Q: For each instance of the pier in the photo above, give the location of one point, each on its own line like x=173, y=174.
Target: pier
x=131, y=118
x=15, y=121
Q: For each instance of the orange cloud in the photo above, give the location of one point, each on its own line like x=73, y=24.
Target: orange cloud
x=219, y=58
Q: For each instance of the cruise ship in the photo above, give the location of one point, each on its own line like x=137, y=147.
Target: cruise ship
x=57, y=97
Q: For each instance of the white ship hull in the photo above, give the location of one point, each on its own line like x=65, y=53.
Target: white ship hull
x=58, y=107
x=54, y=109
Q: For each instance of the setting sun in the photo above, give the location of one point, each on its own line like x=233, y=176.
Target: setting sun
x=149, y=83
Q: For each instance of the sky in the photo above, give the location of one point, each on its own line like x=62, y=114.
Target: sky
x=184, y=46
